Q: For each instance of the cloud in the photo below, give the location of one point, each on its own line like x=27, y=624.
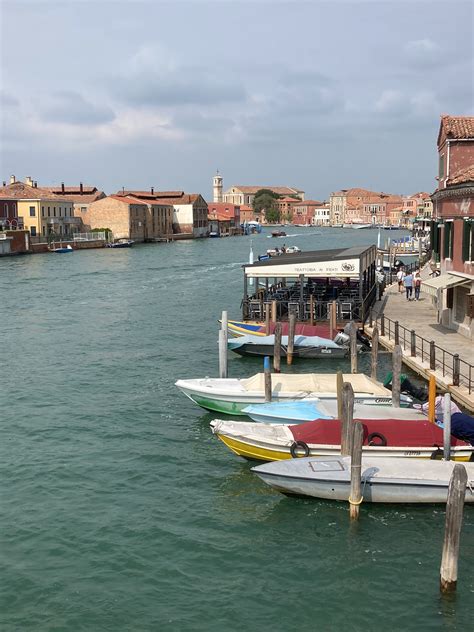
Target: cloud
x=8, y=100
x=423, y=52
x=152, y=77
x=73, y=109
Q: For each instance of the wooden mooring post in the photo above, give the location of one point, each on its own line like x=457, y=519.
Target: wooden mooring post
x=223, y=346
x=274, y=311
x=396, y=375
x=311, y=309
x=375, y=353
x=355, y=497
x=347, y=416
x=452, y=529
x=277, y=349
x=333, y=319
x=268, y=379
x=291, y=338
x=267, y=319
x=432, y=399
x=353, y=345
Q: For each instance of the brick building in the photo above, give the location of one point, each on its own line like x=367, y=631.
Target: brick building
x=227, y=215
x=125, y=216
x=452, y=231
x=304, y=212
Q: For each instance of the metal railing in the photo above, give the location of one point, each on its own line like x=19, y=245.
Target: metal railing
x=449, y=364
x=98, y=236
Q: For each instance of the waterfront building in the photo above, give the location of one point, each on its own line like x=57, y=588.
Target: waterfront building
x=362, y=206
x=239, y=194
x=247, y=214
x=452, y=229
x=321, y=215
x=227, y=214
x=82, y=196
x=9, y=219
x=125, y=216
x=43, y=212
x=308, y=211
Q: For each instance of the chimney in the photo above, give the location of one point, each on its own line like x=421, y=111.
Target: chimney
x=12, y=179
x=81, y=188
x=152, y=190
x=62, y=187
x=29, y=181
x=35, y=184
x=4, y=183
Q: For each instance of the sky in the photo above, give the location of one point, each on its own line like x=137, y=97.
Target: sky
x=314, y=95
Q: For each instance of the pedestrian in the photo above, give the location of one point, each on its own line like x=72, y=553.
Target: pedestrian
x=408, y=283
x=400, y=277
x=417, y=285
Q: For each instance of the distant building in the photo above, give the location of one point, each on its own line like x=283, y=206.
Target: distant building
x=9, y=219
x=81, y=195
x=361, y=206
x=244, y=195
x=305, y=212
x=125, y=216
x=189, y=209
x=452, y=232
x=227, y=214
x=42, y=212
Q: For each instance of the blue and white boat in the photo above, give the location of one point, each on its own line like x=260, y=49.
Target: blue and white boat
x=304, y=346
x=298, y=412
x=62, y=249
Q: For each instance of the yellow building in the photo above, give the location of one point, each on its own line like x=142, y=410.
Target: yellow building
x=43, y=212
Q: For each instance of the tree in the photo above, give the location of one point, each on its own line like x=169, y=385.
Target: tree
x=265, y=202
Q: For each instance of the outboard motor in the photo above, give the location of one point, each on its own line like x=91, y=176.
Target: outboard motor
x=364, y=340
x=342, y=339
x=406, y=386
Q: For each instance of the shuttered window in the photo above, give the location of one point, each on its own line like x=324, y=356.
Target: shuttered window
x=448, y=240
x=468, y=240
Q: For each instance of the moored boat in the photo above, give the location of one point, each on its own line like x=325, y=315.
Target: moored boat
x=232, y=395
x=120, y=243
x=258, y=329
x=62, y=249
x=310, y=409
x=304, y=346
x=385, y=436
x=383, y=480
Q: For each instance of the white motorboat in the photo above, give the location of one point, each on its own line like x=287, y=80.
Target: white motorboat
x=383, y=480
x=232, y=395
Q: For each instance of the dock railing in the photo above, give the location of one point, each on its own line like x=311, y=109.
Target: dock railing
x=449, y=364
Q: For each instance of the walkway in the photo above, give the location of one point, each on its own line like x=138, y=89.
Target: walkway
x=421, y=317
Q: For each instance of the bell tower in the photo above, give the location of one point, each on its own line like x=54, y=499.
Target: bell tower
x=217, y=187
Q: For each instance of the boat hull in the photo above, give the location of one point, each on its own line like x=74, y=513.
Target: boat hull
x=299, y=352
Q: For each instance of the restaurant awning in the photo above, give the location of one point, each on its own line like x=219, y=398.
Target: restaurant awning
x=432, y=286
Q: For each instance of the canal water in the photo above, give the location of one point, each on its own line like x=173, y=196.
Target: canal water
x=120, y=510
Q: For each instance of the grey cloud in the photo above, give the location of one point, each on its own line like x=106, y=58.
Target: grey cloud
x=8, y=100
x=71, y=107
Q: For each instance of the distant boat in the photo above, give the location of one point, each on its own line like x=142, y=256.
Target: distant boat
x=278, y=233
x=360, y=226
x=214, y=234
x=62, y=249
x=120, y=243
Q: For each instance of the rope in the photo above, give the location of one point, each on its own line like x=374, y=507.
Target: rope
x=353, y=502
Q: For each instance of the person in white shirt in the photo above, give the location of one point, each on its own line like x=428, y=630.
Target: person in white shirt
x=400, y=276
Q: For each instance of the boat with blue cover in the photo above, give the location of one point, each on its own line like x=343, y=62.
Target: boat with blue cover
x=304, y=346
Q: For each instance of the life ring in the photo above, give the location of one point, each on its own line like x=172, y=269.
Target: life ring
x=376, y=435
x=437, y=454
x=299, y=445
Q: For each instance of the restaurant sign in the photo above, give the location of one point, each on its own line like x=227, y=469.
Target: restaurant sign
x=342, y=268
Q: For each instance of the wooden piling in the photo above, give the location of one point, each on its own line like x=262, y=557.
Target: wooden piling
x=339, y=385
x=268, y=379
x=347, y=416
x=375, y=353
x=311, y=309
x=222, y=354
x=291, y=338
x=355, y=498
x=432, y=399
x=447, y=427
x=432, y=355
x=452, y=529
x=396, y=373
x=333, y=319
x=413, y=343
x=277, y=349
x=267, y=319
x=353, y=345
x=274, y=311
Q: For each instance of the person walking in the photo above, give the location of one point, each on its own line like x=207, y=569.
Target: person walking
x=400, y=277
x=417, y=285
x=408, y=283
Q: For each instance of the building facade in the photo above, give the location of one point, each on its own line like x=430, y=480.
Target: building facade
x=125, y=217
x=9, y=219
x=452, y=233
x=244, y=195
x=305, y=212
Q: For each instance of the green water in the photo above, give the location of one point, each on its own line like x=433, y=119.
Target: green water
x=120, y=510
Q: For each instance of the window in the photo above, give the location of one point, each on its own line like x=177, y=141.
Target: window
x=44, y=230
x=83, y=209
x=448, y=239
x=441, y=167
x=54, y=211
x=468, y=240
x=42, y=211
x=33, y=231
x=5, y=210
x=32, y=211
x=49, y=211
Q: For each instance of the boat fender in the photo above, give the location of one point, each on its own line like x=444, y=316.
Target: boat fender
x=299, y=445
x=376, y=435
x=437, y=454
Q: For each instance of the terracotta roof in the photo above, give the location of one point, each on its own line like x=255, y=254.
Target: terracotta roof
x=221, y=217
x=71, y=190
x=457, y=126
x=289, y=200
x=127, y=200
x=462, y=175
x=87, y=199
x=149, y=195
x=278, y=190
x=421, y=194
x=19, y=190
x=310, y=203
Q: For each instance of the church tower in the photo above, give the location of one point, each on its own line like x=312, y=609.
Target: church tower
x=217, y=187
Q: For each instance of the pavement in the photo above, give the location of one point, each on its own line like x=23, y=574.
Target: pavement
x=421, y=316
